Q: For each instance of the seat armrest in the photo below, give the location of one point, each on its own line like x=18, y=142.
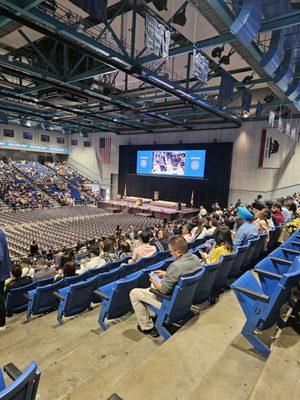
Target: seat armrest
x=101, y=294
x=160, y=294
x=253, y=293
x=281, y=261
x=291, y=251
x=58, y=295
x=27, y=296
x=12, y=371
x=267, y=273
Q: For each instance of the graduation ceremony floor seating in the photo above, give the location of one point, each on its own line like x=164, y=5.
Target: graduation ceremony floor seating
x=262, y=300
x=75, y=298
x=24, y=384
x=176, y=307
x=115, y=298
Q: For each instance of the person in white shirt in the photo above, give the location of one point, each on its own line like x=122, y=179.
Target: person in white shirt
x=186, y=233
x=199, y=231
x=202, y=212
x=95, y=261
x=27, y=269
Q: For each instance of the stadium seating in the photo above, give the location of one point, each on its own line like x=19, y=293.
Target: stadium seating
x=115, y=298
x=42, y=300
x=205, y=286
x=221, y=278
x=74, y=299
x=16, y=301
x=24, y=384
x=176, y=307
x=238, y=262
x=262, y=301
x=249, y=255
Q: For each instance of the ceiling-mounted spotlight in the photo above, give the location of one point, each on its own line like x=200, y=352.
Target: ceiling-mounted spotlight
x=25, y=122
x=248, y=78
x=270, y=98
x=160, y=4
x=226, y=59
x=179, y=18
x=81, y=26
x=94, y=86
x=217, y=51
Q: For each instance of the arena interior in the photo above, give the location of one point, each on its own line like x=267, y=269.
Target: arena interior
x=149, y=199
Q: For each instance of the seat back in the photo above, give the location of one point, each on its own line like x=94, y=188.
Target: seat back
x=116, y=264
x=292, y=244
x=119, y=303
x=204, y=289
x=15, y=301
x=162, y=255
x=79, y=297
x=285, y=252
x=183, y=295
x=96, y=271
x=145, y=262
x=24, y=387
x=250, y=252
x=274, y=265
x=44, y=281
x=44, y=300
x=221, y=278
x=273, y=237
x=128, y=269
x=259, y=246
x=71, y=280
x=144, y=281
x=238, y=261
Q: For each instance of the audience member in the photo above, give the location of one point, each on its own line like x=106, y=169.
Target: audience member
x=199, y=231
x=160, y=241
x=69, y=269
x=17, y=279
x=4, y=274
x=43, y=271
x=186, y=233
x=223, y=245
x=144, y=250
x=95, y=260
x=277, y=216
x=247, y=230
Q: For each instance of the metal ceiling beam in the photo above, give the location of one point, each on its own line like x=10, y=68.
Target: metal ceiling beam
x=108, y=56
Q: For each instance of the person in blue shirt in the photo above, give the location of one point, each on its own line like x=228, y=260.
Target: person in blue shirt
x=4, y=274
x=247, y=230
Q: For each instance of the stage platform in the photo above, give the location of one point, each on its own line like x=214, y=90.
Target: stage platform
x=158, y=212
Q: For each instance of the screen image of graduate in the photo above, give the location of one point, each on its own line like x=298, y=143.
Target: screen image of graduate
x=168, y=162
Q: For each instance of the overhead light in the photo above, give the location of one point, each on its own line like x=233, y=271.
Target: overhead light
x=160, y=4
x=226, y=59
x=25, y=122
x=217, y=51
x=115, y=120
x=179, y=18
x=248, y=78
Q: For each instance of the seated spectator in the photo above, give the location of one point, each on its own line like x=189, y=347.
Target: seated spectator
x=69, y=269
x=186, y=233
x=277, y=216
x=144, y=250
x=223, y=245
x=160, y=241
x=43, y=271
x=247, y=230
x=17, y=279
x=211, y=225
x=269, y=220
x=202, y=212
x=261, y=222
x=95, y=260
x=27, y=268
x=124, y=250
x=199, y=231
x=257, y=204
x=184, y=264
x=34, y=248
x=108, y=251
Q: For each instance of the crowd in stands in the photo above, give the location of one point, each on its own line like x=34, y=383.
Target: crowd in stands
x=27, y=184
x=224, y=229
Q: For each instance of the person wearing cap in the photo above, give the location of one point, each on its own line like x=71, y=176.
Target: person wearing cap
x=95, y=261
x=247, y=230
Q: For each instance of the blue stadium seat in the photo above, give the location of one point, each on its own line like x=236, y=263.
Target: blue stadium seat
x=262, y=309
x=75, y=298
x=105, y=279
x=249, y=255
x=16, y=301
x=176, y=307
x=285, y=252
x=291, y=244
x=221, y=278
x=238, y=261
x=205, y=286
x=71, y=280
x=128, y=269
x=24, y=384
x=44, y=281
x=274, y=264
x=42, y=300
x=115, y=298
x=96, y=271
x=145, y=262
x=116, y=264
x=259, y=249
x=145, y=282
x=274, y=234
x=163, y=255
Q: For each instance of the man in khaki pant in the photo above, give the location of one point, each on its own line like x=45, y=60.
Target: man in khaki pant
x=184, y=264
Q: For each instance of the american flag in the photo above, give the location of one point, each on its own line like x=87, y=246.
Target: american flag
x=104, y=150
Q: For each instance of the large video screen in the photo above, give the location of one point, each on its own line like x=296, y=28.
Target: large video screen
x=181, y=163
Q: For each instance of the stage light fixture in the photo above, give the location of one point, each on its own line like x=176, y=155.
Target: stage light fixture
x=217, y=51
x=226, y=59
x=248, y=78
x=179, y=18
x=160, y=4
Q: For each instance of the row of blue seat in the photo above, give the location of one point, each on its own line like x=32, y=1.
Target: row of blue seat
x=262, y=299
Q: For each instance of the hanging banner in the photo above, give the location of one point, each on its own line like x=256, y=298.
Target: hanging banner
x=200, y=66
x=259, y=108
x=157, y=36
x=288, y=128
x=280, y=124
x=271, y=118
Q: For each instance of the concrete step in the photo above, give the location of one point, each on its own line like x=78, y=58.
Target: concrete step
x=280, y=377
x=102, y=384
x=175, y=369
x=234, y=375
x=63, y=375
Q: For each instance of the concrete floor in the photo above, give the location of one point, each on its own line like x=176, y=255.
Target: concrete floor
x=207, y=359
